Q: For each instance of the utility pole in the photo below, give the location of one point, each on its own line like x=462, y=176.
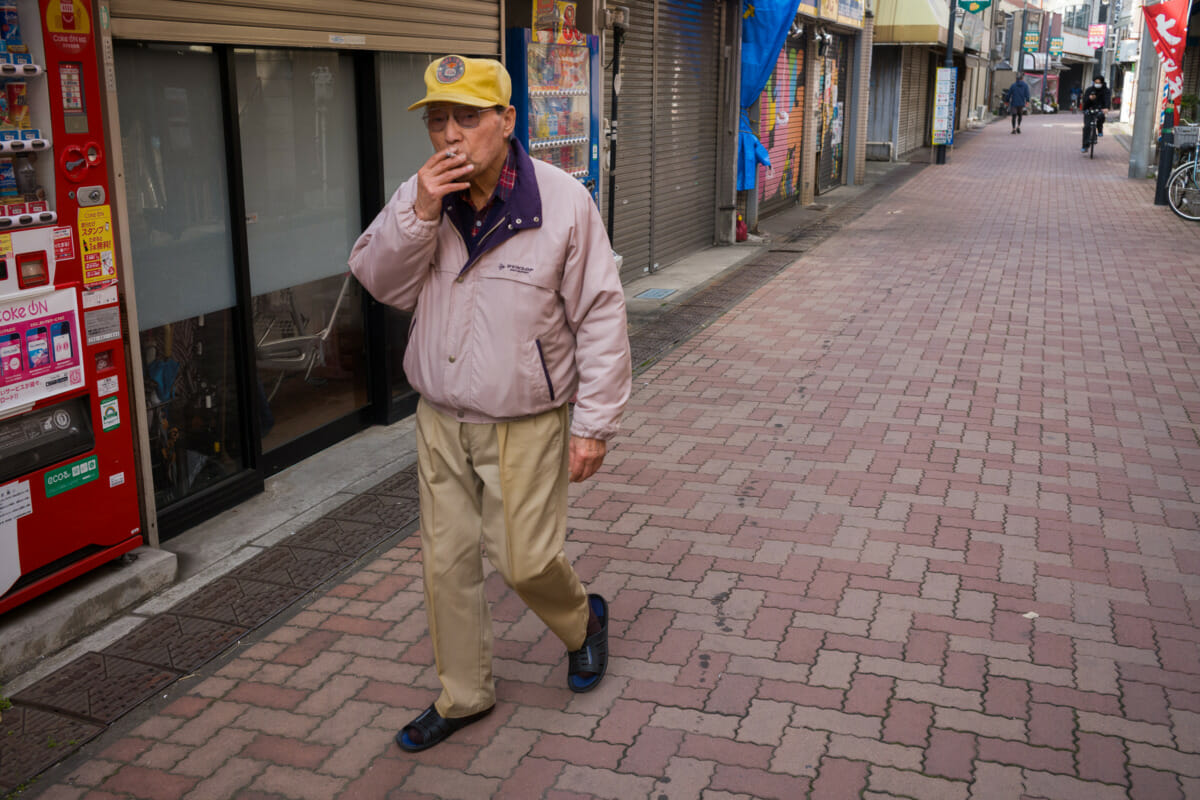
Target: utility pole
x=1045, y=27
x=1144, y=111
x=940, y=151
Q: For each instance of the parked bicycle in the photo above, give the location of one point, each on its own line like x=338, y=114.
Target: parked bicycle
x=1183, y=186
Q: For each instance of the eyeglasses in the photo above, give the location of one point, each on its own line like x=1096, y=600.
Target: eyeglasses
x=464, y=117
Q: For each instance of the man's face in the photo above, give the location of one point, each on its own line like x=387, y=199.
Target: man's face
x=485, y=145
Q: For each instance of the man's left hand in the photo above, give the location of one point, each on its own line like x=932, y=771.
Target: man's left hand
x=586, y=456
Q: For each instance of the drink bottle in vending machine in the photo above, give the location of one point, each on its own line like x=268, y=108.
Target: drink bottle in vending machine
x=68, y=501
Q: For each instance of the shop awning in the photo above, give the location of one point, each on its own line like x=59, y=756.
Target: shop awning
x=913, y=22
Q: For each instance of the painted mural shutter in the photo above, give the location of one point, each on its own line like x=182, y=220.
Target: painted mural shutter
x=783, y=97
x=468, y=27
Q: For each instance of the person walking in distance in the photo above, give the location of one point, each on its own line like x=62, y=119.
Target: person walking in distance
x=1096, y=99
x=518, y=308
x=1018, y=98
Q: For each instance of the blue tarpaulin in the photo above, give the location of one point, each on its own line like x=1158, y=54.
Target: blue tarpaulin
x=765, y=26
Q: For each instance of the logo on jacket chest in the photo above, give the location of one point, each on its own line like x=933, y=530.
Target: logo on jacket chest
x=519, y=269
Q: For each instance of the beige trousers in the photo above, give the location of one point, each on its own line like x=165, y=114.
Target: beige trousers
x=504, y=485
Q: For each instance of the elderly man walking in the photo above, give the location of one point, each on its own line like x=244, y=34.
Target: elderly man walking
x=518, y=309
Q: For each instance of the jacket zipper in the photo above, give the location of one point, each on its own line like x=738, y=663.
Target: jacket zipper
x=545, y=369
x=471, y=260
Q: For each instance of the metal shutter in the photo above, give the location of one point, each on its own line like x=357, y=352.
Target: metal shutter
x=632, y=217
x=687, y=93
x=668, y=119
x=782, y=189
x=469, y=27
x=914, y=97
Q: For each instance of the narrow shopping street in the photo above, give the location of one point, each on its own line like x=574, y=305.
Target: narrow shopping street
x=916, y=519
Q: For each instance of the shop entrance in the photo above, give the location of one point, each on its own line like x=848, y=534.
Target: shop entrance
x=832, y=83
x=246, y=190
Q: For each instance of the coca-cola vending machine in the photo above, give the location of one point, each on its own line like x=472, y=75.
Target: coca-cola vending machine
x=68, y=501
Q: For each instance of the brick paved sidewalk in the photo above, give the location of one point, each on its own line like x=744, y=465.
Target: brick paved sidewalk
x=916, y=519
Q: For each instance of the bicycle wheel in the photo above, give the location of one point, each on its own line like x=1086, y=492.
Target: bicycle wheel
x=1183, y=193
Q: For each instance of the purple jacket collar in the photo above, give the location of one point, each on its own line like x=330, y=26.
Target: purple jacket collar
x=522, y=210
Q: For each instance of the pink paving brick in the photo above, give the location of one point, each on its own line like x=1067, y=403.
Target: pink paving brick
x=651, y=751
x=908, y=723
x=1101, y=758
x=838, y=778
x=951, y=754
x=1051, y=726
x=759, y=783
x=1151, y=784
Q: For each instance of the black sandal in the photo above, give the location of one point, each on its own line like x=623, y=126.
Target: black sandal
x=587, y=665
x=434, y=728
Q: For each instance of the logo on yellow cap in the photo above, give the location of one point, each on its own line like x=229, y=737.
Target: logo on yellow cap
x=450, y=69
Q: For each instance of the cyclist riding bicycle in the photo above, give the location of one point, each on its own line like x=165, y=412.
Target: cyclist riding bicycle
x=1096, y=99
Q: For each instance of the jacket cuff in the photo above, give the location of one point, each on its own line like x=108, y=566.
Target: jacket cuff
x=413, y=226
x=582, y=429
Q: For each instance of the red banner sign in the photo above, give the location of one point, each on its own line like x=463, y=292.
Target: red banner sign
x=1096, y=35
x=1168, y=31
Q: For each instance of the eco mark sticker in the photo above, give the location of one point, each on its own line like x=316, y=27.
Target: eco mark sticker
x=110, y=414
x=72, y=476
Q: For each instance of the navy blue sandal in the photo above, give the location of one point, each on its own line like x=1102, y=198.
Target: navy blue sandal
x=434, y=728
x=587, y=665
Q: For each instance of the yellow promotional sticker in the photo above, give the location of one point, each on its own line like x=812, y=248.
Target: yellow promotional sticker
x=96, y=244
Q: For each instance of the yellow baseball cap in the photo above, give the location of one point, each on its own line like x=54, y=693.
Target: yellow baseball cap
x=481, y=82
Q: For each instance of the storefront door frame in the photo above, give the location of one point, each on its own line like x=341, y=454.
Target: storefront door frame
x=250, y=480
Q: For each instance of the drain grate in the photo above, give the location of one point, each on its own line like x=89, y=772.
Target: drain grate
x=96, y=686
x=290, y=566
x=402, y=484
x=32, y=740
x=656, y=294
x=339, y=536
x=242, y=603
x=385, y=511
x=175, y=642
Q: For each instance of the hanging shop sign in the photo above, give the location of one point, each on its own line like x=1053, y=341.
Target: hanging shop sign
x=1056, y=46
x=1032, y=39
x=945, y=89
x=1096, y=35
x=973, y=6
x=1168, y=30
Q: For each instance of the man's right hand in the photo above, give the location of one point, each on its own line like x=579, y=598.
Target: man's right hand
x=442, y=174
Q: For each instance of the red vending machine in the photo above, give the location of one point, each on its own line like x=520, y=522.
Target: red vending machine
x=68, y=500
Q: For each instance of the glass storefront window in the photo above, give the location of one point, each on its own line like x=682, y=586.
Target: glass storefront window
x=300, y=167
x=406, y=147
x=183, y=267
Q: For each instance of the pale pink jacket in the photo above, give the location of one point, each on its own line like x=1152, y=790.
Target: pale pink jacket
x=535, y=321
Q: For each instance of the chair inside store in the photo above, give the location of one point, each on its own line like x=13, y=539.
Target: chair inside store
x=287, y=341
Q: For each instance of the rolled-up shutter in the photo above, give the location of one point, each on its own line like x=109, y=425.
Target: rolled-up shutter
x=685, y=127
x=632, y=217
x=468, y=27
